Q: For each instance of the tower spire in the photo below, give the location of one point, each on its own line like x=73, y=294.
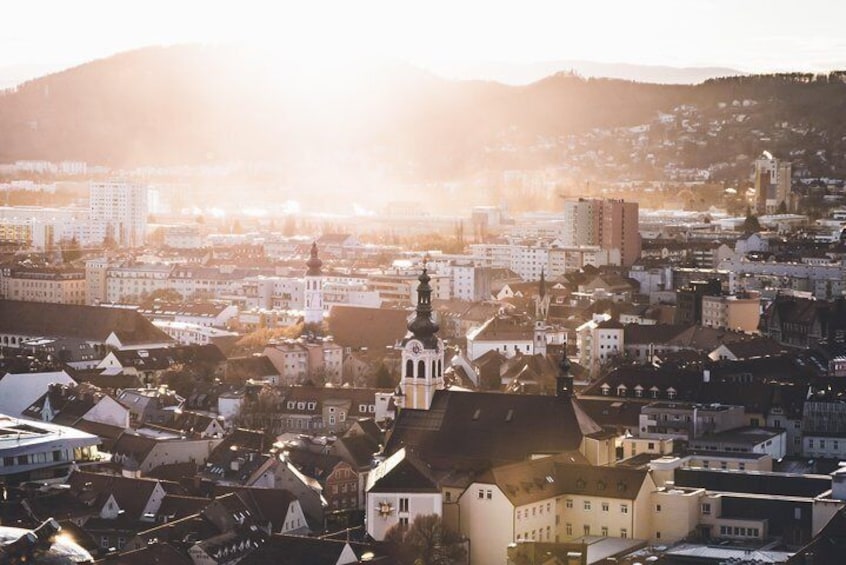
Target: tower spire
x=314, y=263
x=422, y=326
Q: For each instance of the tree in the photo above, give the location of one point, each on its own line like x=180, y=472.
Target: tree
x=427, y=541
x=71, y=250
x=751, y=223
x=383, y=377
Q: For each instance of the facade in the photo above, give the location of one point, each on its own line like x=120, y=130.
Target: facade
x=122, y=208
x=687, y=421
x=398, y=490
x=609, y=224
x=552, y=500
x=65, y=286
x=37, y=451
x=739, y=312
x=772, y=184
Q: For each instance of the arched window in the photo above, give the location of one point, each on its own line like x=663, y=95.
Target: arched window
x=440, y=368
x=434, y=368
x=421, y=369
x=409, y=368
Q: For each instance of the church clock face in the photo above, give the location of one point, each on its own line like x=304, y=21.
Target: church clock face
x=415, y=348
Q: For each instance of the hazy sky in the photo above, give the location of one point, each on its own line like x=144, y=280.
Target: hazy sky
x=750, y=35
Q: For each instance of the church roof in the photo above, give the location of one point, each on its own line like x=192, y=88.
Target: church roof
x=479, y=429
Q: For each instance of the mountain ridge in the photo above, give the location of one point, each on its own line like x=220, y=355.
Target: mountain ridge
x=202, y=104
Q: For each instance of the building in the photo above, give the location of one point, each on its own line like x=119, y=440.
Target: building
x=401, y=488
x=57, y=286
x=38, y=451
x=422, y=354
x=609, y=224
x=741, y=312
x=772, y=185
x=553, y=500
x=122, y=208
x=314, y=289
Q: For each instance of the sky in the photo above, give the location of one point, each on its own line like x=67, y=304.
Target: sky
x=748, y=35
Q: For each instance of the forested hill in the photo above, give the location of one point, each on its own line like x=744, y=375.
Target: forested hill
x=200, y=104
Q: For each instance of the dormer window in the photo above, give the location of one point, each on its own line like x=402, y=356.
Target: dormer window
x=606, y=389
x=671, y=393
x=621, y=390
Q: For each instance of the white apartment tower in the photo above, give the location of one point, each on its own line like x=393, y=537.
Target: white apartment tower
x=121, y=208
x=422, y=354
x=314, y=288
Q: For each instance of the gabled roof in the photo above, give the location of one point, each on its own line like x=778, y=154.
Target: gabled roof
x=402, y=472
x=373, y=328
x=570, y=473
x=92, y=323
x=360, y=449
x=134, y=445
x=68, y=403
x=131, y=495
x=480, y=429
x=266, y=504
x=239, y=369
x=296, y=550
x=153, y=554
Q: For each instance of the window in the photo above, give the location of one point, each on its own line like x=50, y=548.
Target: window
x=403, y=505
x=568, y=503
x=624, y=533
x=481, y=494
x=403, y=522
x=657, y=508
x=706, y=508
x=587, y=505
x=604, y=531
x=569, y=529
x=624, y=508
x=586, y=529
x=489, y=494
x=605, y=507
x=741, y=466
x=104, y=542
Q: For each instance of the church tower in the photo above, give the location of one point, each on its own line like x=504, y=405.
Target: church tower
x=314, y=288
x=422, y=353
x=541, y=313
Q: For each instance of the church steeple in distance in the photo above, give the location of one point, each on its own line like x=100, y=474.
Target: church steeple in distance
x=314, y=288
x=314, y=263
x=422, y=327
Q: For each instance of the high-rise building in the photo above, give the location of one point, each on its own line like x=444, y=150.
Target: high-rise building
x=610, y=224
x=772, y=184
x=121, y=207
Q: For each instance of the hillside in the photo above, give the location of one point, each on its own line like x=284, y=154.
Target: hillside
x=192, y=104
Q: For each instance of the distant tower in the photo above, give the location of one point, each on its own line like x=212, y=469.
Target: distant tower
x=314, y=289
x=542, y=300
x=541, y=312
x=422, y=353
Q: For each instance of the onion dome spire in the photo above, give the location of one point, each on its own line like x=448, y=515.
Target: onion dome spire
x=422, y=326
x=314, y=263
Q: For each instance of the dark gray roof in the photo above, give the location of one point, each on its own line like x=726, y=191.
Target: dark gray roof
x=481, y=429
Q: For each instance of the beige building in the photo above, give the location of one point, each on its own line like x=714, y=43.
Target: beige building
x=553, y=500
x=56, y=286
x=738, y=312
